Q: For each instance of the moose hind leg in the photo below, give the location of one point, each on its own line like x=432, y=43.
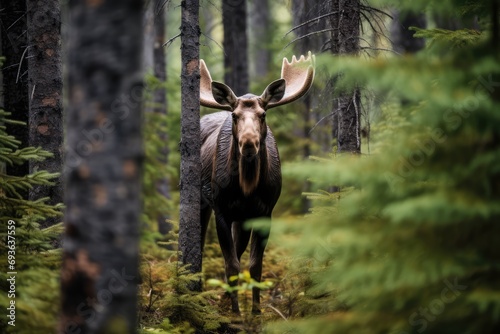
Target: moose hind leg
x=232, y=264
x=258, y=245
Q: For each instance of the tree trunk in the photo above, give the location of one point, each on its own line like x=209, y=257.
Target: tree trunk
x=260, y=20
x=234, y=15
x=345, y=41
x=304, y=11
x=14, y=69
x=160, y=102
x=103, y=167
x=45, y=92
x=154, y=59
x=401, y=37
x=190, y=183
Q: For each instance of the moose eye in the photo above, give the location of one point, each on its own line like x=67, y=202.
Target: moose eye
x=235, y=117
x=263, y=115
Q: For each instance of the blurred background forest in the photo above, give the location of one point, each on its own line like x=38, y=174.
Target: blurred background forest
x=388, y=217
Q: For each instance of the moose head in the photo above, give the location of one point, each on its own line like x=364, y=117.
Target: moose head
x=249, y=110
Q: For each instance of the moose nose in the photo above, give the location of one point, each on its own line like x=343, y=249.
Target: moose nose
x=249, y=149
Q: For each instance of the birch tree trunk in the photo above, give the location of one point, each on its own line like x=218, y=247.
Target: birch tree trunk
x=103, y=167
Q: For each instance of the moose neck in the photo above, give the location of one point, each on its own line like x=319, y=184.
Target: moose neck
x=249, y=169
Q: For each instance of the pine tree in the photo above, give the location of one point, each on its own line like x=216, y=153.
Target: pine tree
x=409, y=244
x=15, y=81
x=27, y=247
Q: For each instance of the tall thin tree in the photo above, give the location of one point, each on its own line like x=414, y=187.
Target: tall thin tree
x=190, y=183
x=160, y=98
x=45, y=93
x=345, y=27
x=103, y=167
x=234, y=20
x=260, y=38
x=154, y=60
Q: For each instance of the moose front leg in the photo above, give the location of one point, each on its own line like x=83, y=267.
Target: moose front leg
x=232, y=265
x=241, y=236
x=257, y=247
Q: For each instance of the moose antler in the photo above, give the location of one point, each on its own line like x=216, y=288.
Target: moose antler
x=298, y=75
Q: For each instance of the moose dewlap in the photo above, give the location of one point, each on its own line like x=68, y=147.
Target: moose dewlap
x=241, y=170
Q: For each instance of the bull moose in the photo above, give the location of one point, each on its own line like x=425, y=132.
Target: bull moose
x=241, y=170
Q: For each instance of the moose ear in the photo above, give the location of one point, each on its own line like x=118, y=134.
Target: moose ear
x=207, y=97
x=224, y=95
x=274, y=92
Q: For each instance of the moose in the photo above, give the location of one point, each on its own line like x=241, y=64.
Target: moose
x=241, y=170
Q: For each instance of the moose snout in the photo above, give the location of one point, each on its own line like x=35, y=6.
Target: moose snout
x=249, y=148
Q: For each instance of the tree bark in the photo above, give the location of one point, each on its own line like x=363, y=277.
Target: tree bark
x=234, y=16
x=345, y=24
x=45, y=92
x=103, y=167
x=190, y=183
x=14, y=69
